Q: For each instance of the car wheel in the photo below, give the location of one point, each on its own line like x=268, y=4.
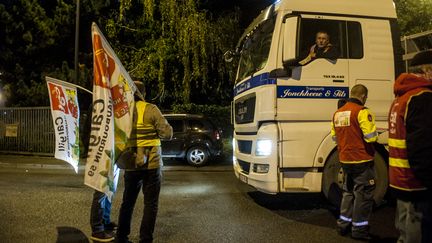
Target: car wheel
x=197, y=156
x=333, y=179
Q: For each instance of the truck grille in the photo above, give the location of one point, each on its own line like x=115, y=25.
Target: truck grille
x=244, y=109
x=245, y=166
x=245, y=146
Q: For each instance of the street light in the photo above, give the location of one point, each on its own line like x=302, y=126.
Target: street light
x=76, y=41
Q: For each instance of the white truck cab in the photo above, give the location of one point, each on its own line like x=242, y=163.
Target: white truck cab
x=282, y=110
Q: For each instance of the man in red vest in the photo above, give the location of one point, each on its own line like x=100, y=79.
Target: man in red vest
x=410, y=148
x=354, y=130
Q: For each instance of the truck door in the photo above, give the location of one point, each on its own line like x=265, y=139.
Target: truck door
x=372, y=62
x=320, y=81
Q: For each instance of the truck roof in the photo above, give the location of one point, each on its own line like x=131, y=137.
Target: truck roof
x=367, y=8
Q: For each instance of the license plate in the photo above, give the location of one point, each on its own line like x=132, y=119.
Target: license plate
x=243, y=178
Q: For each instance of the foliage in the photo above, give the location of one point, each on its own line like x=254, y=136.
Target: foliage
x=174, y=46
x=179, y=56
x=414, y=16
x=220, y=115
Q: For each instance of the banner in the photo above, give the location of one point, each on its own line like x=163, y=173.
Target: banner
x=65, y=114
x=111, y=120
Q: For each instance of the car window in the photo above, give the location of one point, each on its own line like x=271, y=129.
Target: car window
x=177, y=125
x=196, y=125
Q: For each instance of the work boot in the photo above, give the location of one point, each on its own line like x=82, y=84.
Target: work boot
x=110, y=227
x=103, y=236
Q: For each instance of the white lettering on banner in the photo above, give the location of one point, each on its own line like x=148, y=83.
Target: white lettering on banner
x=311, y=92
x=339, y=93
x=242, y=87
x=289, y=93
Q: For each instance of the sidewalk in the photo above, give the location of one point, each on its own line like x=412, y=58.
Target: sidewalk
x=50, y=163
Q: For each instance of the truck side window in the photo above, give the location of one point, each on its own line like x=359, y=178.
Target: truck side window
x=344, y=36
x=312, y=33
x=355, y=40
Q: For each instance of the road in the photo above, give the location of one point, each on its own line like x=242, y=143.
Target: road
x=195, y=206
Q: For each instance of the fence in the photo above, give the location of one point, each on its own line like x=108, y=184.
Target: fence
x=26, y=130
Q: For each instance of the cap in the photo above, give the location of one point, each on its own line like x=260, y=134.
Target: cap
x=424, y=57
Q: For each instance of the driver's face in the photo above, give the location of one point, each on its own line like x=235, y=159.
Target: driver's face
x=322, y=40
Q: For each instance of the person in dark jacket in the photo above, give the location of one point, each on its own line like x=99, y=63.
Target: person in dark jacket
x=145, y=170
x=354, y=130
x=321, y=49
x=410, y=148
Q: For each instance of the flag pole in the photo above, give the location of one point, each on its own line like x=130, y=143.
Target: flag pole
x=67, y=84
x=77, y=40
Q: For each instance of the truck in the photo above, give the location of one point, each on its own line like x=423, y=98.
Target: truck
x=282, y=110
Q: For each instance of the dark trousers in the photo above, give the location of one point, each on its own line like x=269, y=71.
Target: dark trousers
x=414, y=221
x=100, y=211
x=150, y=183
x=357, y=201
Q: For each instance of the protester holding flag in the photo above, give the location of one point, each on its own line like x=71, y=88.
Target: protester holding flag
x=111, y=126
x=143, y=169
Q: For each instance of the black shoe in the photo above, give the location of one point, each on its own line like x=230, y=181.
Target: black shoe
x=102, y=236
x=110, y=227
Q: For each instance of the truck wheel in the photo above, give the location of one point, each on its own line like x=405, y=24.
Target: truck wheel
x=333, y=179
x=197, y=156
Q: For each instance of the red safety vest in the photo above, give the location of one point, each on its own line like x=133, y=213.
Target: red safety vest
x=400, y=173
x=352, y=147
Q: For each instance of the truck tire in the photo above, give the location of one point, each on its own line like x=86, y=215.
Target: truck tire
x=333, y=178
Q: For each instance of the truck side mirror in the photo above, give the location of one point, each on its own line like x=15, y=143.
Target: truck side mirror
x=228, y=56
x=289, y=43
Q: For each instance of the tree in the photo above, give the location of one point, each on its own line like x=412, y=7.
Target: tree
x=176, y=49
x=414, y=15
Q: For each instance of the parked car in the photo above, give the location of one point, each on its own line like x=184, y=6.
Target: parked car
x=195, y=138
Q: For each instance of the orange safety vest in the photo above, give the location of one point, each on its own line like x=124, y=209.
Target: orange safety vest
x=354, y=144
x=400, y=172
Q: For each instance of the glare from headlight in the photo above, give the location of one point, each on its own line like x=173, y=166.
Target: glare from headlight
x=263, y=147
x=234, y=159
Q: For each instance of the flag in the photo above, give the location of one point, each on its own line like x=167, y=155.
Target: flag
x=111, y=119
x=65, y=113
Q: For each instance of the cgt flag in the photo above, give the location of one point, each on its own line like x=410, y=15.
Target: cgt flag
x=111, y=120
x=65, y=114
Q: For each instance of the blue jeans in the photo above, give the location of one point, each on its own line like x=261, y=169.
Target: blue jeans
x=150, y=183
x=100, y=211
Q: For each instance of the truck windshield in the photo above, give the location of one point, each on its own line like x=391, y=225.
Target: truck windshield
x=255, y=50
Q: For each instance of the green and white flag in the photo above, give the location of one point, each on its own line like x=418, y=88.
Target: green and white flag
x=112, y=115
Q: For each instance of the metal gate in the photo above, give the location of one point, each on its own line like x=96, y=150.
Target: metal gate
x=27, y=130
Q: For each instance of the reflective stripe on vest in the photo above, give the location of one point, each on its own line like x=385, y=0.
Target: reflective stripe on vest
x=146, y=134
x=400, y=173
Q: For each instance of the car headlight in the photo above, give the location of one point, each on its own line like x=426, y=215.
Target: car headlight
x=263, y=147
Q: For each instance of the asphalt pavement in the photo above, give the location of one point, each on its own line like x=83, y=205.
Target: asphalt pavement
x=28, y=162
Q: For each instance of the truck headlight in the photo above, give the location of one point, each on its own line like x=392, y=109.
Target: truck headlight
x=263, y=147
x=260, y=168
